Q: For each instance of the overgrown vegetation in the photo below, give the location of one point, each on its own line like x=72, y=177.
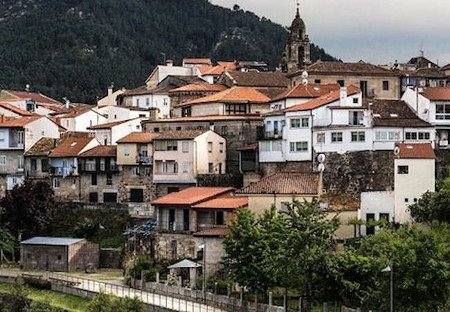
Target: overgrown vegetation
x=108, y=303
x=77, y=48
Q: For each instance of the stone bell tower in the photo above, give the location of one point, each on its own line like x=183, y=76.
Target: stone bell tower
x=297, y=54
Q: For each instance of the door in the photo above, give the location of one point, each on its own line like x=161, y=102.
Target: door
x=363, y=87
x=110, y=197
x=171, y=220
x=370, y=229
x=186, y=223
x=275, y=127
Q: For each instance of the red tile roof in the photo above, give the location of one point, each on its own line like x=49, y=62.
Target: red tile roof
x=206, y=118
x=179, y=135
x=101, y=151
x=70, y=147
x=356, y=69
x=318, y=102
x=197, y=60
x=416, y=150
x=192, y=196
x=139, y=137
x=12, y=122
x=257, y=79
x=37, y=97
x=43, y=147
x=437, y=93
x=284, y=183
x=74, y=111
x=232, y=95
x=110, y=125
x=394, y=113
x=307, y=91
x=7, y=105
x=200, y=87
x=214, y=232
x=229, y=202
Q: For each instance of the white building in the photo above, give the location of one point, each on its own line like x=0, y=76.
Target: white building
x=432, y=104
x=110, y=133
x=79, y=119
x=110, y=98
x=114, y=113
x=339, y=122
x=414, y=175
x=162, y=71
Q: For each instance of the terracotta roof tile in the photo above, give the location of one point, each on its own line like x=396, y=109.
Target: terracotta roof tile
x=394, y=113
x=197, y=60
x=214, y=232
x=359, y=69
x=70, y=147
x=144, y=90
x=229, y=202
x=12, y=122
x=43, y=147
x=437, y=93
x=416, y=150
x=110, y=125
x=234, y=94
x=308, y=91
x=206, y=118
x=200, y=87
x=101, y=151
x=318, y=102
x=284, y=183
x=7, y=105
x=75, y=111
x=258, y=79
x=37, y=97
x=179, y=135
x=192, y=196
x=139, y=137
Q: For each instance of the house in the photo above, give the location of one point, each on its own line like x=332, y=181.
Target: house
x=114, y=113
x=109, y=133
x=65, y=169
x=99, y=174
x=79, y=118
x=15, y=108
x=192, y=92
x=34, y=102
x=212, y=73
x=281, y=189
x=423, y=77
x=36, y=159
x=161, y=72
x=233, y=101
x=414, y=175
x=135, y=158
x=180, y=157
x=238, y=130
x=18, y=135
x=58, y=254
x=432, y=105
x=192, y=217
x=339, y=122
x=374, y=81
x=111, y=98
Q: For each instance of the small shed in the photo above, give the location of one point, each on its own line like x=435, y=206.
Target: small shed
x=58, y=254
x=186, y=264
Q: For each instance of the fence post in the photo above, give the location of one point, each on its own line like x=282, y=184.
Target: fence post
x=241, y=297
x=270, y=299
x=300, y=302
x=325, y=307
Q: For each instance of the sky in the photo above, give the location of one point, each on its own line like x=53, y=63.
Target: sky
x=376, y=31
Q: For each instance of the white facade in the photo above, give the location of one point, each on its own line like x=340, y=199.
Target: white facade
x=110, y=98
x=160, y=101
x=82, y=122
x=118, y=113
x=376, y=206
x=110, y=135
x=162, y=71
x=40, y=128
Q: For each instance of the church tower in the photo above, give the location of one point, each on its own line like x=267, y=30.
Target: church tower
x=297, y=54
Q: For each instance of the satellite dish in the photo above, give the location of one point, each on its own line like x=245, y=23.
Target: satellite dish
x=321, y=158
x=396, y=151
x=321, y=167
x=305, y=74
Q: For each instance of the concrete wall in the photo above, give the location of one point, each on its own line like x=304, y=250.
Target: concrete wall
x=376, y=203
x=40, y=128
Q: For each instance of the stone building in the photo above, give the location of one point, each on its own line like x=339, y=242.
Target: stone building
x=58, y=254
x=192, y=92
x=36, y=159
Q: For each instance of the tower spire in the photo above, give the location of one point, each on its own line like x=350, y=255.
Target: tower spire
x=298, y=7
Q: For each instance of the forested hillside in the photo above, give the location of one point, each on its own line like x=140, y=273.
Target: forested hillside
x=76, y=48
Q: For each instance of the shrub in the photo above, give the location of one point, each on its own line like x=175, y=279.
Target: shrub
x=135, y=266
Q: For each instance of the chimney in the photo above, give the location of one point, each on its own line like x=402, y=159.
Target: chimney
x=111, y=89
x=27, y=87
x=169, y=63
x=343, y=96
x=2, y=118
x=153, y=113
x=67, y=103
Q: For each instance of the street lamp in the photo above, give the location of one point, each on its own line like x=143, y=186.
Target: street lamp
x=390, y=269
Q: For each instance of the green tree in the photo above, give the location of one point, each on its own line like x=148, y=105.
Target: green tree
x=17, y=300
x=37, y=306
x=433, y=206
x=103, y=302
x=28, y=209
x=132, y=304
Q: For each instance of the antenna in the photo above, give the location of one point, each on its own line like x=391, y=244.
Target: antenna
x=422, y=53
x=298, y=7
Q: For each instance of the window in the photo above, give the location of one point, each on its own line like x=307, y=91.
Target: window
x=44, y=165
x=358, y=136
x=185, y=167
x=56, y=183
x=277, y=146
x=363, y=87
x=165, y=168
x=417, y=136
x=2, y=160
x=135, y=171
x=384, y=217
x=210, y=147
x=210, y=168
x=93, y=197
x=221, y=147
x=296, y=147
x=59, y=257
x=265, y=146
x=406, y=200
x=224, y=130
x=2, y=136
x=355, y=100
x=20, y=162
x=317, y=81
x=126, y=151
x=166, y=145
x=403, y=169
x=185, y=147
x=370, y=229
x=385, y=85
x=172, y=145
x=300, y=122
x=33, y=164
x=220, y=168
x=236, y=109
x=220, y=220
x=387, y=136
x=147, y=171
x=178, y=128
x=21, y=137
x=137, y=102
x=136, y=195
x=341, y=83
x=336, y=137
x=411, y=136
x=175, y=167
x=165, y=101
x=110, y=197
x=155, y=129
x=109, y=179
x=147, y=101
x=94, y=179
x=321, y=137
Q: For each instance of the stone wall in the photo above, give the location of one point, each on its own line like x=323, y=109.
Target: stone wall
x=220, y=180
x=128, y=181
x=100, y=187
x=291, y=166
x=110, y=258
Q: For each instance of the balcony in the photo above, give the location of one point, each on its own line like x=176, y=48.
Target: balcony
x=144, y=160
x=173, y=226
x=272, y=135
x=63, y=171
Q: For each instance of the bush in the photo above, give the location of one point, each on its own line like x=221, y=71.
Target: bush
x=135, y=266
x=108, y=303
x=37, y=282
x=42, y=307
x=150, y=275
x=17, y=300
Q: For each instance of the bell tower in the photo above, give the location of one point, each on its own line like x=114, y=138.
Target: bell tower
x=297, y=53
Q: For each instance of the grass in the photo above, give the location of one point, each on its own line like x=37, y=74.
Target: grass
x=68, y=302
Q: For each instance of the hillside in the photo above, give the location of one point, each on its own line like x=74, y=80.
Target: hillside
x=76, y=48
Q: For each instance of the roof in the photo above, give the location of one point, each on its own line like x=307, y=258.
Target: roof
x=37, y=97
x=284, y=183
x=70, y=147
x=75, y=111
x=416, y=150
x=7, y=105
x=394, y=113
x=19, y=121
x=429, y=73
x=54, y=241
x=192, y=195
x=110, y=125
x=179, y=135
x=206, y=118
x=144, y=90
x=307, y=91
x=200, y=87
x=359, y=69
x=43, y=147
x=214, y=232
x=258, y=79
x=186, y=263
x=101, y=151
x=139, y=137
x=231, y=202
x=318, y=102
x=437, y=93
x=234, y=94
x=197, y=60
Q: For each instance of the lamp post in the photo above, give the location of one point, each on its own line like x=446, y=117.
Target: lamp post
x=390, y=269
